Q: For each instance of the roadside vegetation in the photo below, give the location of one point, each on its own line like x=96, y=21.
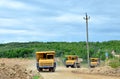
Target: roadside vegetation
x=28, y=49
x=114, y=63
x=36, y=77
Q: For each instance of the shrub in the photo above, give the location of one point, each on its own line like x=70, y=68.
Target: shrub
x=114, y=63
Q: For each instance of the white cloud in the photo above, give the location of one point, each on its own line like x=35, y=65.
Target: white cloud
x=10, y=31
x=9, y=22
x=16, y=5
x=23, y=33
x=11, y=3
x=17, y=22
x=99, y=19
x=70, y=18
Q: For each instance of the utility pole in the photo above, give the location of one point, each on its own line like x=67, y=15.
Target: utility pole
x=88, y=57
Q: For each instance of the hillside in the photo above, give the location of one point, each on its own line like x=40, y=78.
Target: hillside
x=28, y=49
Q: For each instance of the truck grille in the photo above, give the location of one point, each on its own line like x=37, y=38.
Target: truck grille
x=69, y=63
x=46, y=64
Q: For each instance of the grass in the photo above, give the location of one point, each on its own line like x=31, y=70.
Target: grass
x=114, y=63
x=36, y=77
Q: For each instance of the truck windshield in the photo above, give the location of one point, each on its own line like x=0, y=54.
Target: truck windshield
x=50, y=56
x=93, y=60
x=71, y=58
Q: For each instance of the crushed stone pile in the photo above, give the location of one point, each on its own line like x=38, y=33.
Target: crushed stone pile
x=106, y=70
x=14, y=72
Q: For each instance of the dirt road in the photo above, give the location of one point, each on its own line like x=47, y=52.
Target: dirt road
x=65, y=73
x=60, y=73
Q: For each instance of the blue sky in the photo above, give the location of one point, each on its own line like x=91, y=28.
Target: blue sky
x=58, y=20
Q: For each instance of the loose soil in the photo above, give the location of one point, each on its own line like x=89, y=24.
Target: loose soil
x=16, y=69
x=105, y=70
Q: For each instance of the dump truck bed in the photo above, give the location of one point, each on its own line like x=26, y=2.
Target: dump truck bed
x=39, y=55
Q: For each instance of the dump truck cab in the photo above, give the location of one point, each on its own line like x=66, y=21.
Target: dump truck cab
x=46, y=60
x=94, y=62
x=72, y=61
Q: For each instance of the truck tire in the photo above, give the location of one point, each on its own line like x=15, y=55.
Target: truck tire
x=75, y=65
x=54, y=64
x=92, y=66
x=38, y=68
x=37, y=65
x=52, y=69
x=67, y=66
x=78, y=65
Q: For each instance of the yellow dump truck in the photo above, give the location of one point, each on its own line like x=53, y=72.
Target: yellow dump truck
x=46, y=60
x=72, y=61
x=94, y=62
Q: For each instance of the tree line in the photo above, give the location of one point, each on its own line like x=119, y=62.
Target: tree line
x=28, y=49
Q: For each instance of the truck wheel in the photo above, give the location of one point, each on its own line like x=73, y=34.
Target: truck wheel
x=74, y=66
x=53, y=69
x=67, y=66
x=39, y=69
x=78, y=65
x=50, y=69
x=92, y=66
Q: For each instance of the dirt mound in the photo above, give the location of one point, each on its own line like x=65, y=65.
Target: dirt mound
x=14, y=72
x=106, y=70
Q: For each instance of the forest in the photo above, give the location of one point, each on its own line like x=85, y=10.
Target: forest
x=28, y=49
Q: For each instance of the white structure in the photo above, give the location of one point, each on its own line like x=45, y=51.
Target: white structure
x=114, y=54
